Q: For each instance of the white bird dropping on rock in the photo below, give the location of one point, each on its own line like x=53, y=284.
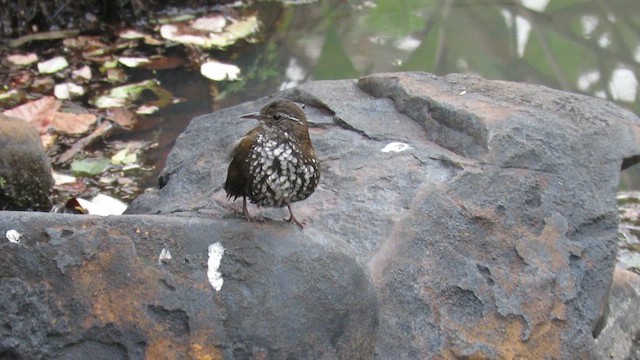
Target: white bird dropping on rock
x=13, y=236
x=395, y=147
x=165, y=255
x=215, y=256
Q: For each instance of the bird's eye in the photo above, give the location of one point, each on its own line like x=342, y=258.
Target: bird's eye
x=277, y=117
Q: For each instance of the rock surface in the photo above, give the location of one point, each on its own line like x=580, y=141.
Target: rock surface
x=456, y=218
x=25, y=169
x=80, y=287
x=492, y=235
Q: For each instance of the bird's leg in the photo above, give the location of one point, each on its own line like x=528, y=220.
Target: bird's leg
x=292, y=219
x=245, y=211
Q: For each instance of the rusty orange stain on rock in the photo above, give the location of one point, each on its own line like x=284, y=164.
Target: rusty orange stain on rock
x=534, y=331
x=110, y=282
x=205, y=352
x=544, y=344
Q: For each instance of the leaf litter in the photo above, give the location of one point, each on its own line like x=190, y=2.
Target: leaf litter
x=78, y=93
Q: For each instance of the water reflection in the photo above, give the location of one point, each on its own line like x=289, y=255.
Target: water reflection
x=585, y=47
x=588, y=47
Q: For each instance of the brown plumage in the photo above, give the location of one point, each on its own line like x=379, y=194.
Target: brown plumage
x=274, y=164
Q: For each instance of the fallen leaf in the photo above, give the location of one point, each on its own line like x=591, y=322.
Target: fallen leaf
x=130, y=34
x=243, y=28
x=62, y=179
x=22, y=59
x=38, y=112
x=89, y=167
x=104, y=102
x=123, y=95
x=52, y=65
x=122, y=117
x=147, y=109
x=116, y=75
x=133, y=62
x=162, y=63
x=102, y=205
x=180, y=33
x=67, y=91
x=108, y=179
x=186, y=34
x=124, y=157
x=73, y=124
x=85, y=43
x=212, y=23
x=218, y=71
x=84, y=72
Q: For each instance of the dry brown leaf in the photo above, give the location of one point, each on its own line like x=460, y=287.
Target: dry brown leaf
x=73, y=124
x=122, y=117
x=22, y=59
x=84, y=42
x=38, y=112
x=162, y=63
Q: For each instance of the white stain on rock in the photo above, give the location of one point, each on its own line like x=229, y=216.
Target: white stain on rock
x=213, y=264
x=13, y=236
x=165, y=256
x=396, y=147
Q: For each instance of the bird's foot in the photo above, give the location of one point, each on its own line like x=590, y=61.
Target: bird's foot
x=292, y=219
x=247, y=216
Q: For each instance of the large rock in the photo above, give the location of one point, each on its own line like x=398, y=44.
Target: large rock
x=80, y=287
x=25, y=169
x=456, y=218
x=492, y=235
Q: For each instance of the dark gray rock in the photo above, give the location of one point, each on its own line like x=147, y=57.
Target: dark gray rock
x=79, y=287
x=25, y=170
x=491, y=236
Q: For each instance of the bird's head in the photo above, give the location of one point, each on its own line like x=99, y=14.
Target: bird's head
x=281, y=113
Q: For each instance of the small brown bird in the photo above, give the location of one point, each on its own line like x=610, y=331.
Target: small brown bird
x=274, y=164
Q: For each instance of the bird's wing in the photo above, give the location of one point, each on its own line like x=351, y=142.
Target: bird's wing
x=237, y=183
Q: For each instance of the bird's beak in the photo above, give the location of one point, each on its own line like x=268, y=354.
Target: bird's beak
x=254, y=115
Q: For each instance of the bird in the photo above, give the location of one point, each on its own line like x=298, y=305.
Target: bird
x=274, y=164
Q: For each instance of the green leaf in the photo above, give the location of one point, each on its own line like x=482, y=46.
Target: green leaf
x=124, y=95
x=89, y=167
x=124, y=157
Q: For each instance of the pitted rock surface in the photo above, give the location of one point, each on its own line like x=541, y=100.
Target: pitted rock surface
x=492, y=235
x=81, y=287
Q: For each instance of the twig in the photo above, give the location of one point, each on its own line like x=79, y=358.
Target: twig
x=102, y=130
x=48, y=35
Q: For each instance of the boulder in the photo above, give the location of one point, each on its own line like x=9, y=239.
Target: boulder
x=485, y=211
x=83, y=287
x=456, y=217
x=25, y=169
